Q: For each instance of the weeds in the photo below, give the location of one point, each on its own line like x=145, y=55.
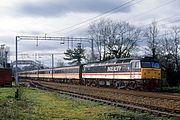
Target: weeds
x=40, y=105
x=170, y=89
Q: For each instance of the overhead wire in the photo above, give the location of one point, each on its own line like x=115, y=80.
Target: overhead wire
x=112, y=10
x=154, y=8
x=98, y=16
x=104, y=16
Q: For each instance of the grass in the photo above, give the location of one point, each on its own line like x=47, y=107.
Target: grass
x=40, y=105
x=169, y=89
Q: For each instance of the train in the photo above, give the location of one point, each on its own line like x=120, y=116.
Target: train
x=5, y=77
x=128, y=73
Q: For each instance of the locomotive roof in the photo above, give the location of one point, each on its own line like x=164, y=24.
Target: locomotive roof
x=113, y=61
x=149, y=59
x=123, y=60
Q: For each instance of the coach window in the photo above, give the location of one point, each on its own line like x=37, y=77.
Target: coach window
x=88, y=68
x=135, y=65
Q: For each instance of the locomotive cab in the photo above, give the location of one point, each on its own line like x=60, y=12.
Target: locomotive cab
x=146, y=72
x=151, y=72
x=145, y=69
x=150, y=69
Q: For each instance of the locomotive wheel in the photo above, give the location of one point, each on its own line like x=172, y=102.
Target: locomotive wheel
x=132, y=85
x=121, y=85
x=115, y=84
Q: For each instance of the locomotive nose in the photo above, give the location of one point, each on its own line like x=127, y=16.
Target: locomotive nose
x=151, y=73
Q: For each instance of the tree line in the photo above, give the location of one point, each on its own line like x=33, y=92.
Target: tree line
x=119, y=39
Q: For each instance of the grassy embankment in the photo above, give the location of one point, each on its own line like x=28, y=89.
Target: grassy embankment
x=40, y=105
x=169, y=89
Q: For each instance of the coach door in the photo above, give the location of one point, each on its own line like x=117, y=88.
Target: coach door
x=135, y=69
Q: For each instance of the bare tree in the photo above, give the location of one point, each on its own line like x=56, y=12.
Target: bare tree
x=99, y=32
x=60, y=63
x=152, y=38
x=114, y=39
x=168, y=52
x=164, y=51
x=175, y=37
x=123, y=39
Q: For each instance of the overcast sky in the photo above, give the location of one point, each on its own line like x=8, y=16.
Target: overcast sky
x=51, y=17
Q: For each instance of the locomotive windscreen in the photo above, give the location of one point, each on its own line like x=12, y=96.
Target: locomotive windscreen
x=150, y=64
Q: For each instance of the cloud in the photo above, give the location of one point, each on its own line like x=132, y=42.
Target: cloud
x=53, y=8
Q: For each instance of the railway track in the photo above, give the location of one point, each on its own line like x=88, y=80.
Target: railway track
x=156, y=103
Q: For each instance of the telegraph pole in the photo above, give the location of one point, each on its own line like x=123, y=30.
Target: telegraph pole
x=16, y=72
x=6, y=52
x=52, y=64
x=17, y=78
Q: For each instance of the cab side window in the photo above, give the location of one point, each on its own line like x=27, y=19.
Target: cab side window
x=133, y=65
x=137, y=65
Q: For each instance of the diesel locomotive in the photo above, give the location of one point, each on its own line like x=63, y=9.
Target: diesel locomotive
x=128, y=73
